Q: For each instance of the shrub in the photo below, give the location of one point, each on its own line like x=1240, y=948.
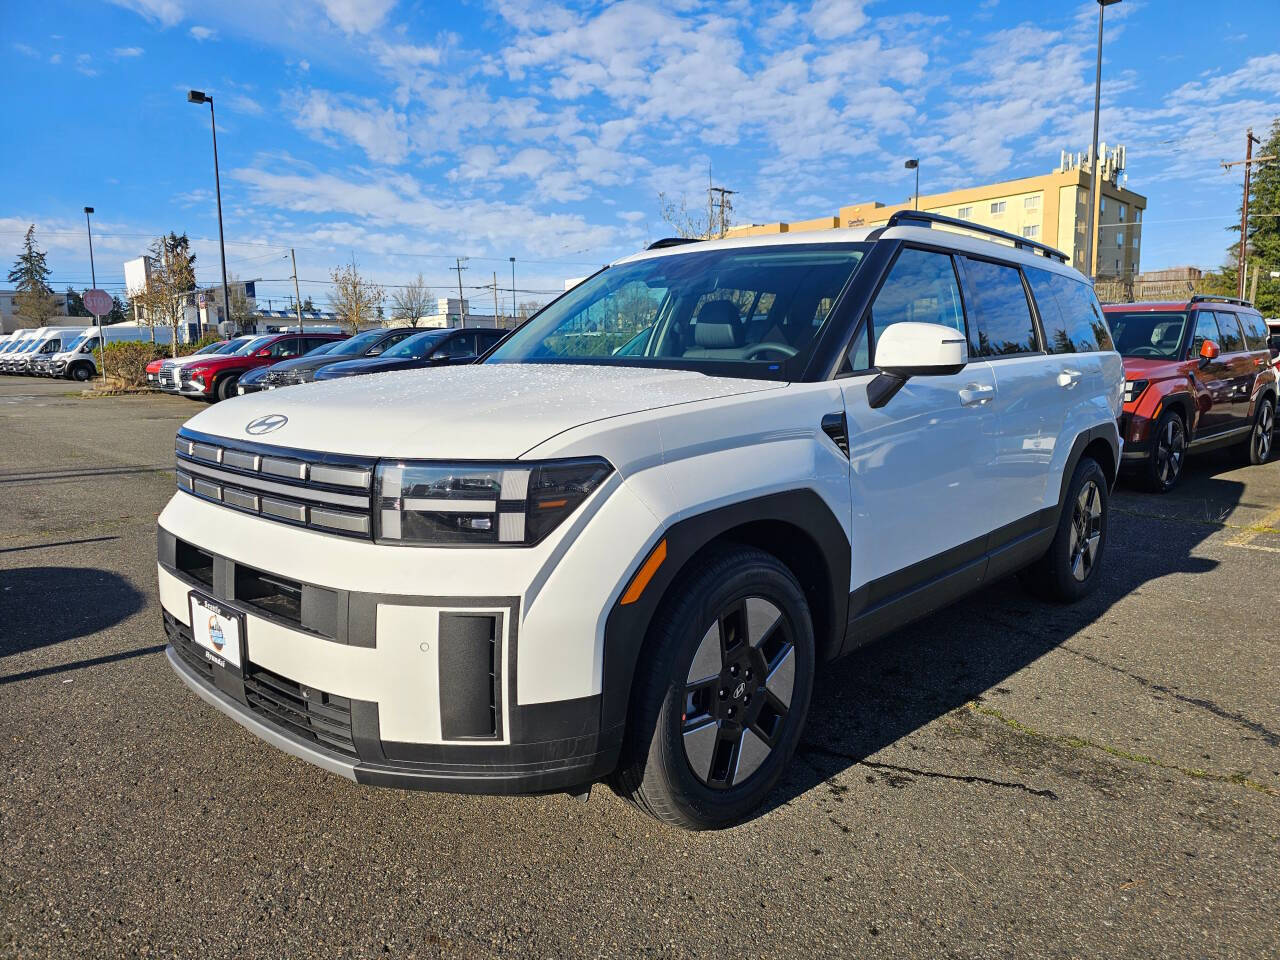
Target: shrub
x=127, y=363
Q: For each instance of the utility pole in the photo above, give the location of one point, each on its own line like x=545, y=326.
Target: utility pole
x=513, y=288
x=725, y=206
x=1248, y=162
x=297, y=295
x=462, y=308
x=495, y=298
x=1090, y=241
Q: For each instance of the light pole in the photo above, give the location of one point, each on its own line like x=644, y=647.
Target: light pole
x=513, y=288
x=914, y=164
x=197, y=96
x=1090, y=241
x=93, y=279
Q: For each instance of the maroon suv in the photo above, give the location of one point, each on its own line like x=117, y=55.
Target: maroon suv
x=215, y=379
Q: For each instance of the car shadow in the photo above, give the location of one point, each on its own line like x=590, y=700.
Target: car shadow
x=893, y=687
x=41, y=606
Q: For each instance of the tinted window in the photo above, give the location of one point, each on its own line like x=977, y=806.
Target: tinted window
x=415, y=347
x=1000, y=318
x=1072, y=319
x=922, y=288
x=1206, y=329
x=285, y=348
x=463, y=345
x=487, y=340
x=1232, y=338
x=1255, y=333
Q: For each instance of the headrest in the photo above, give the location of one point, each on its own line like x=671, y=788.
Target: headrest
x=718, y=311
x=717, y=336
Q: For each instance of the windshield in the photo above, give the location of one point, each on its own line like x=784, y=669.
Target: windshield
x=211, y=348
x=231, y=346
x=357, y=344
x=415, y=347
x=1147, y=334
x=756, y=309
x=255, y=344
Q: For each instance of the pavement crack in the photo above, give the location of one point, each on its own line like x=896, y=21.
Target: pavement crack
x=1271, y=738
x=814, y=748
x=1084, y=743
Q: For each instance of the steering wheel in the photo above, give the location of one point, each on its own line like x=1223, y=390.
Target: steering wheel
x=1145, y=352
x=783, y=348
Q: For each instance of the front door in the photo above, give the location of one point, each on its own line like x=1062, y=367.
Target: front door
x=1212, y=379
x=919, y=465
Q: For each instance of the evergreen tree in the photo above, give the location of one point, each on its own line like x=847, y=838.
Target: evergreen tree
x=75, y=304
x=1264, y=233
x=30, y=277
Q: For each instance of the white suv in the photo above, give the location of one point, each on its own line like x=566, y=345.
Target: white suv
x=625, y=543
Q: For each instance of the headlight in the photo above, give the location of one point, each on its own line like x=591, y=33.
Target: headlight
x=1133, y=389
x=512, y=504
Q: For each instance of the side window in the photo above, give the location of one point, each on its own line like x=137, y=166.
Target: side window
x=310, y=343
x=1206, y=329
x=463, y=345
x=1232, y=338
x=1255, y=333
x=89, y=346
x=487, y=340
x=1072, y=318
x=921, y=287
x=1000, y=317
x=285, y=348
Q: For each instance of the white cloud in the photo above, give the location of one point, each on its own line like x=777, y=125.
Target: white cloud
x=202, y=34
x=357, y=16
x=165, y=12
x=377, y=130
x=832, y=19
x=240, y=103
x=25, y=50
x=84, y=64
x=124, y=52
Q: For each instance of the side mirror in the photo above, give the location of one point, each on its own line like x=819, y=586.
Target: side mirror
x=374, y=351
x=264, y=352
x=1208, y=351
x=439, y=357
x=910, y=349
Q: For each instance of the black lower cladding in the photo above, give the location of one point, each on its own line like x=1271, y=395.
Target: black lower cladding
x=552, y=746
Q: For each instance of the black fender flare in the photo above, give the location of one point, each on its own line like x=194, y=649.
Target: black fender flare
x=627, y=626
x=1109, y=432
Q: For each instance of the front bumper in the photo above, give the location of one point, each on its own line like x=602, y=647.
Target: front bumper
x=386, y=636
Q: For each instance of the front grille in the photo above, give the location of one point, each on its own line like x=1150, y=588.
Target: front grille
x=167, y=378
x=282, y=378
x=192, y=653
x=321, y=491
x=312, y=714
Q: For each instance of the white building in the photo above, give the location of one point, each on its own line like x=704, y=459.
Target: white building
x=10, y=321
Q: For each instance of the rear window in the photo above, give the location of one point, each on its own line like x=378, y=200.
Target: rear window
x=1255, y=331
x=1073, y=320
x=1232, y=338
x=1000, y=318
x=1145, y=333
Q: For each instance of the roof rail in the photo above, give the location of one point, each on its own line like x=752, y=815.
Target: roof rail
x=1213, y=298
x=906, y=217
x=671, y=242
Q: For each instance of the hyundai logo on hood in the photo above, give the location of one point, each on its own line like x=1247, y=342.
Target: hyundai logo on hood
x=272, y=421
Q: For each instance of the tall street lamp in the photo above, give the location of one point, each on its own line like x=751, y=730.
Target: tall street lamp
x=198, y=96
x=1090, y=241
x=914, y=164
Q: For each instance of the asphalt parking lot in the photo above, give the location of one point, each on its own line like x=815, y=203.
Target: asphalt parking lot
x=1003, y=779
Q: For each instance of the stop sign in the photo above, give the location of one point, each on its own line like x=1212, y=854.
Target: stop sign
x=97, y=302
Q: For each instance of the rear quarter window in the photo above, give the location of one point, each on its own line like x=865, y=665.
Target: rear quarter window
x=1255, y=331
x=1232, y=338
x=1072, y=317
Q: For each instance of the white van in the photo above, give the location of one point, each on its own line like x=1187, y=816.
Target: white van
x=15, y=345
x=44, y=340
x=79, y=359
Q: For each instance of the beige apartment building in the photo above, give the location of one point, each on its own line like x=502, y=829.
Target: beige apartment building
x=1051, y=209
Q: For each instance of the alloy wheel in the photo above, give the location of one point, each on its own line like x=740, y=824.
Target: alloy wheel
x=1171, y=447
x=1086, y=530
x=1262, y=433
x=738, y=692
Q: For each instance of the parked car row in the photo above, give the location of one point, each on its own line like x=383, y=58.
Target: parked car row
x=623, y=545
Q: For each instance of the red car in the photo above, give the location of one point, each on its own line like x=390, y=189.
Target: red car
x=1198, y=375
x=215, y=378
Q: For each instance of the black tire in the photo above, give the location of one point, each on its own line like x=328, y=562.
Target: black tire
x=677, y=720
x=225, y=388
x=1069, y=572
x=1163, y=468
x=1262, y=437
x=81, y=372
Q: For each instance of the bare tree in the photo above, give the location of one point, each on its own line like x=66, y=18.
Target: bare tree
x=356, y=300
x=411, y=302
x=170, y=286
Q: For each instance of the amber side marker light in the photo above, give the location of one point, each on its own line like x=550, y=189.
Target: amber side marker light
x=645, y=573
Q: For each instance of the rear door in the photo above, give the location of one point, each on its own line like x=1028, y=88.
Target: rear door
x=1244, y=365
x=920, y=478
x=1212, y=377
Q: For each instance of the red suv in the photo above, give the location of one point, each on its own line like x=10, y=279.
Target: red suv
x=215, y=379
x=1198, y=374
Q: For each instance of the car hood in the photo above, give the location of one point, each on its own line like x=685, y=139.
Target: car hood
x=371, y=365
x=468, y=412
x=1146, y=368
x=191, y=358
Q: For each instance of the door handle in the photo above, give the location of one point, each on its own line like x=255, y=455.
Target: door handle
x=976, y=394
x=1069, y=378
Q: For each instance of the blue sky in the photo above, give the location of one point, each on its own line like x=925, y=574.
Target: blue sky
x=410, y=133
